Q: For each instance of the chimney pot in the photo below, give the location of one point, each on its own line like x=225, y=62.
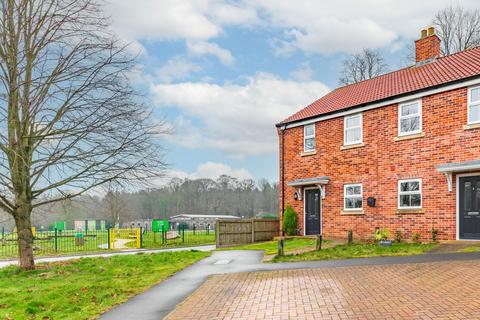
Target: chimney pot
x=423, y=34
x=431, y=31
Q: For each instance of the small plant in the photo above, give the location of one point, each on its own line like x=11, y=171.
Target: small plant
x=290, y=221
x=382, y=234
x=398, y=236
x=434, y=234
x=416, y=237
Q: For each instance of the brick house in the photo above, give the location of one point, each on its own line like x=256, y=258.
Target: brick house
x=399, y=151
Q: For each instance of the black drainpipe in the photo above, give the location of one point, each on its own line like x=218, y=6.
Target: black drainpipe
x=283, y=174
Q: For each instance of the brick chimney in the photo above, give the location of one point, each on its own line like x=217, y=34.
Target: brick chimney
x=427, y=47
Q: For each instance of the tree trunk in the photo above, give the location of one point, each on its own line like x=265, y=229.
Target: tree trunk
x=25, y=236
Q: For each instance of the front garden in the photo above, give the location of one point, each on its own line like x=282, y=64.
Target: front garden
x=84, y=288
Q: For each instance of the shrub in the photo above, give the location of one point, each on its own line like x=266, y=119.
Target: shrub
x=382, y=234
x=398, y=236
x=290, y=221
x=434, y=234
x=416, y=237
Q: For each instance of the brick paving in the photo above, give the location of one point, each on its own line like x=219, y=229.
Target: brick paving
x=440, y=290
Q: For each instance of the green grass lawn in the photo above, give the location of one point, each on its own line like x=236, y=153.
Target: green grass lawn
x=470, y=249
x=271, y=247
x=359, y=250
x=82, y=289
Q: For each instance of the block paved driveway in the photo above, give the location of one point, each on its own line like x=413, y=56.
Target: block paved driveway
x=431, y=290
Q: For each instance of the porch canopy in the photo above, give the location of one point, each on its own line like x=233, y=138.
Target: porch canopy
x=320, y=182
x=456, y=167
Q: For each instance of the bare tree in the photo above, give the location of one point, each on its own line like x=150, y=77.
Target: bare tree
x=69, y=118
x=458, y=29
x=362, y=66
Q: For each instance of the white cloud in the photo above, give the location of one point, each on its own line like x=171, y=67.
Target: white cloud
x=303, y=73
x=177, y=68
x=178, y=20
x=328, y=27
x=207, y=48
x=235, y=119
x=162, y=20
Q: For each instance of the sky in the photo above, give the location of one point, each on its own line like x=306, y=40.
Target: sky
x=221, y=74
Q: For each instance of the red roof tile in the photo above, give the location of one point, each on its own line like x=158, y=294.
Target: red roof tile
x=447, y=69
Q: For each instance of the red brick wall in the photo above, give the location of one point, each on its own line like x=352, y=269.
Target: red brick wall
x=382, y=162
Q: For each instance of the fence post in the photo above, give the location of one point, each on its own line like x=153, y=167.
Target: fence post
x=217, y=233
x=56, y=240
x=183, y=234
x=208, y=229
x=108, y=237
x=194, y=229
x=318, y=246
x=141, y=237
x=253, y=230
x=163, y=234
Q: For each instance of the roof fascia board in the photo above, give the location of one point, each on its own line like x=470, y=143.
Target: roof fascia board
x=371, y=106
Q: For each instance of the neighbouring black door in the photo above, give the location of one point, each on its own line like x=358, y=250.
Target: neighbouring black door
x=312, y=211
x=469, y=207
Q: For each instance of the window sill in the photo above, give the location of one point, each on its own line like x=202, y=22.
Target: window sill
x=471, y=126
x=410, y=211
x=308, y=153
x=352, y=212
x=409, y=137
x=352, y=146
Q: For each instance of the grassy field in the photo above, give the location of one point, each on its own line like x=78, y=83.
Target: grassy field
x=271, y=247
x=84, y=288
x=359, y=250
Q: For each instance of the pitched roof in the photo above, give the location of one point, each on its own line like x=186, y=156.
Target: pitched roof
x=442, y=71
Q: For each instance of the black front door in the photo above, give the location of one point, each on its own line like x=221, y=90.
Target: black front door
x=312, y=211
x=469, y=207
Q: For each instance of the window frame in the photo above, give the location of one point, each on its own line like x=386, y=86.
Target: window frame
x=305, y=137
x=345, y=118
x=400, y=193
x=350, y=196
x=471, y=104
x=400, y=117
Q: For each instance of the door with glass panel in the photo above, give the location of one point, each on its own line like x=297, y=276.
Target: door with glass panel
x=469, y=207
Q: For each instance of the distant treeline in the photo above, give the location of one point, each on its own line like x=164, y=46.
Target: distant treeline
x=226, y=195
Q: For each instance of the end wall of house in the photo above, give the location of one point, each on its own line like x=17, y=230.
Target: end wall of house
x=381, y=162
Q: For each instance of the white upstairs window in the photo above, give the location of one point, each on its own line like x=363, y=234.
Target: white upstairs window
x=352, y=126
x=474, y=105
x=410, y=118
x=309, y=138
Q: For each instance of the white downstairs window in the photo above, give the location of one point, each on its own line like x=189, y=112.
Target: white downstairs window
x=352, y=126
x=352, y=194
x=410, y=118
x=474, y=105
x=309, y=138
x=410, y=194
